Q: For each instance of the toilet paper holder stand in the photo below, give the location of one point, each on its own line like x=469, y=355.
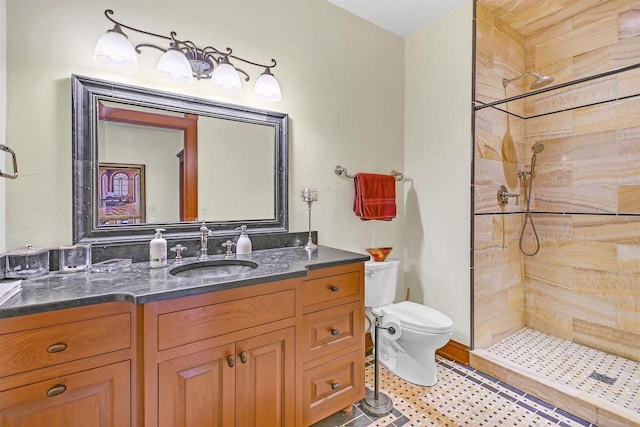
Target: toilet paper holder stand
x=377, y=403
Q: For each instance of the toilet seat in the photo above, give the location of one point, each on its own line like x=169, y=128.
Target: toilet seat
x=420, y=318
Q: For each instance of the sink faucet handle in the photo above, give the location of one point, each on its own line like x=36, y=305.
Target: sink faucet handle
x=178, y=250
x=228, y=245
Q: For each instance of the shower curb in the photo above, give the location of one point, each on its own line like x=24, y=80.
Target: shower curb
x=591, y=408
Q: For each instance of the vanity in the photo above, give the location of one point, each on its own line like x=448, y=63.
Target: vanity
x=282, y=344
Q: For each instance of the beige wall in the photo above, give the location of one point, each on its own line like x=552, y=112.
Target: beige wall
x=437, y=166
x=583, y=284
x=331, y=66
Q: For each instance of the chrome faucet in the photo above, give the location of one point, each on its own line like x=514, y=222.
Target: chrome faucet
x=204, y=240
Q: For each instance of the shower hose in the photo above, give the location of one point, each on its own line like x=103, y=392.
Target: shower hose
x=527, y=215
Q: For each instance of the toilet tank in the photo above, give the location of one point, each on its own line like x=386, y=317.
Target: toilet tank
x=380, y=282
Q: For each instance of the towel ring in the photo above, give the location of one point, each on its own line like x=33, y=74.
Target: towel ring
x=339, y=170
x=13, y=175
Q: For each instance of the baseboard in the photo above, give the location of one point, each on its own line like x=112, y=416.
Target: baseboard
x=452, y=350
x=455, y=351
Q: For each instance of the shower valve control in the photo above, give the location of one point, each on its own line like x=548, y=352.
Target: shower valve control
x=504, y=196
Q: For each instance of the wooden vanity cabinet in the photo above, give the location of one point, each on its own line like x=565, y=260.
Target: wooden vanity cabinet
x=330, y=358
x=222, y=359
x=69, y=368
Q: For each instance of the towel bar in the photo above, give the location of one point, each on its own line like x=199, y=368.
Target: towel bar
x=339, y=170
x=14, y=174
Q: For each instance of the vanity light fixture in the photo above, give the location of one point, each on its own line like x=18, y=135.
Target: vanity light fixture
x=182, y=61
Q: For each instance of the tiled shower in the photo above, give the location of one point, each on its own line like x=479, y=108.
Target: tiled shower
x=583, y=286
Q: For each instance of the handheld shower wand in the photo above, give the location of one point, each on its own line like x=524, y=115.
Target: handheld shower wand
x=527, y=182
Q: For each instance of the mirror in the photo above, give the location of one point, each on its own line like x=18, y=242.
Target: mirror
x=146, y=159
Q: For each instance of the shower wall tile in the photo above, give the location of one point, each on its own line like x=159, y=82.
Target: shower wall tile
x=599, y=336
x=571, y=97
x=609, y=170
x=583, y=199
x=629, y=199
x=629, y=140
x=553, y=126
x=628, y=83
x=561, y=276
x=618, y=54
x=629, y=24
x=546, y=308
x=607, y=229
x=574, y=148
x=629, y=259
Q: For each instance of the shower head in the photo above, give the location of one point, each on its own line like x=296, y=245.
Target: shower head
x=538, y=83
x=537, y=148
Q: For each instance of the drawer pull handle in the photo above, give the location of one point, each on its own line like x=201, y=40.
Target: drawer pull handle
x=243, y=356
x=231, y=361
x=335, y=332
x=335, y=288
x=56, y=390
x=335, y=386
x=57, y=347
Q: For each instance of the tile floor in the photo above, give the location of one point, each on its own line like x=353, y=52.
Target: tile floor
x=462, y=396
x=612, y=378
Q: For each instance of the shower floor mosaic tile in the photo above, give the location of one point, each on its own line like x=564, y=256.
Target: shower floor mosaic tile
x=612, y=378
x=462, y=396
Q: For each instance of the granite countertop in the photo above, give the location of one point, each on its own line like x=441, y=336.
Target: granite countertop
x=141, y=284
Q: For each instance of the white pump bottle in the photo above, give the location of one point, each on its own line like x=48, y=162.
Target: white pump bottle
x=158, y=250
x=243, y=246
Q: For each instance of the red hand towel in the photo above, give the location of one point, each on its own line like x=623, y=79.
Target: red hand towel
x=375, y=196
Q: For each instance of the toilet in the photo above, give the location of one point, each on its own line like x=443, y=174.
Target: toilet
x=410, y=354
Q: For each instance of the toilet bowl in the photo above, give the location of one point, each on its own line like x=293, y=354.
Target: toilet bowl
x=410, y=353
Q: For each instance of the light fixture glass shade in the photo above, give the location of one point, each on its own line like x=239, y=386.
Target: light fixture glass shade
x=114, y=49
x=267, y=88
x=175, y=68
x=226, y=78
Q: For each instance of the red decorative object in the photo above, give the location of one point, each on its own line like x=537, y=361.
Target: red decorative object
x=379, y=254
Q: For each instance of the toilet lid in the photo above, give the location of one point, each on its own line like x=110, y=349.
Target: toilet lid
x=420, y=318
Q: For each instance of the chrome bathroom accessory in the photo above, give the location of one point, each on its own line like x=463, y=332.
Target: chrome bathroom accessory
x=205, y=233
x=310, y=195
x=376, y=403
x=13, y=175
x=504, y=196
x=178, y=250
x=538, y=82
x=527, y=183
x=339, y=170
x=228, y=245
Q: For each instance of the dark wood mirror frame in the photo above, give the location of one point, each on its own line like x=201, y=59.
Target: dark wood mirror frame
x=87, y=94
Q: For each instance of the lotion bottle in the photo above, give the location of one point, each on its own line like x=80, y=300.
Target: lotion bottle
x=243, y=246
x=158, y=250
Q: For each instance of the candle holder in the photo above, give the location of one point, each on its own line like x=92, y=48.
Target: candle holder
x=310, y=195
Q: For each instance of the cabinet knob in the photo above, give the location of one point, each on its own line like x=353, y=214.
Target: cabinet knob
x=335, y=332
x=243, y=356
x=57, y=347
x=334, y=288
x=335, y=386
x=231, y=360
x=56, y=390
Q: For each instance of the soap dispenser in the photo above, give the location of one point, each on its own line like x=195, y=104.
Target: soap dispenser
x=243, y=246
x=158, y=250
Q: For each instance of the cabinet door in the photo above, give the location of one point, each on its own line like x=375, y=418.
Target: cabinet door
x=98, y=397
x=198, y=389
x=265, y=380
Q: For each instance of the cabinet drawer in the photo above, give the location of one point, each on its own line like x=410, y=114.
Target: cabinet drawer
x=37, y=348
x=95, y=397
x=332, y=386
x=330, y=288
x=334, y=329
x=199, y=323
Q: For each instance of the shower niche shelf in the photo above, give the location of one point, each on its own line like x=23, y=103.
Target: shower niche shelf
x=573, y=86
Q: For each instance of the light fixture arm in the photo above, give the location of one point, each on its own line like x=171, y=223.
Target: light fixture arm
x=208, y=54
